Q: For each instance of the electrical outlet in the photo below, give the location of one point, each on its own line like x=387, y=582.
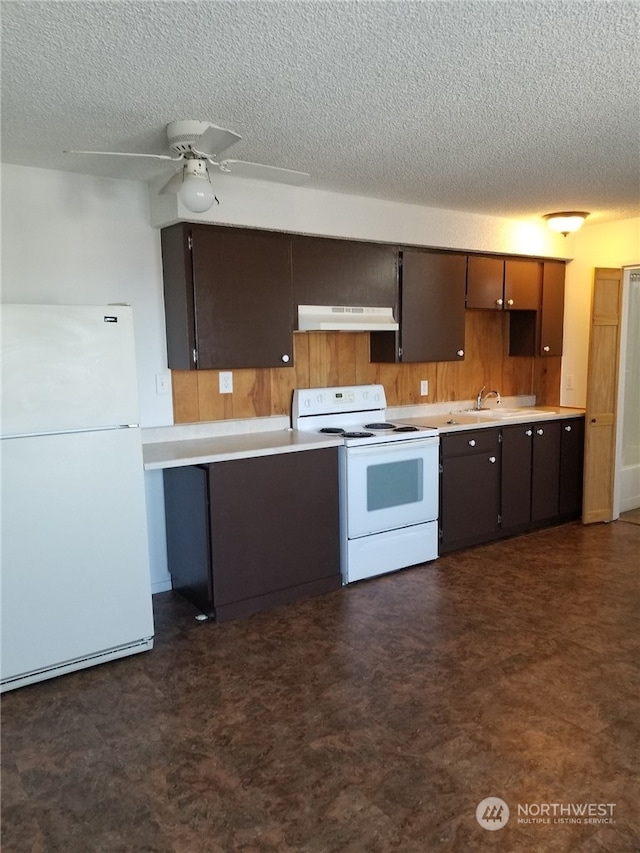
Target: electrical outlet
x=225, y=381
x=569, y=382
x=424, y=388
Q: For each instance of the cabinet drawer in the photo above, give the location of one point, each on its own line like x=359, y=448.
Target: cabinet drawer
x=471, y=441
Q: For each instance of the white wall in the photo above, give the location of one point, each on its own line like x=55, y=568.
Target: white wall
x=613, y=244
x=257, y=204
x=86, y=240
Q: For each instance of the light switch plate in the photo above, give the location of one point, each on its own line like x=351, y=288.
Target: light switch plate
x=162, y=383
x=424, y=388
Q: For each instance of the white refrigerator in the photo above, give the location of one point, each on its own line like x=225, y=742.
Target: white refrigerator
x=74, y=572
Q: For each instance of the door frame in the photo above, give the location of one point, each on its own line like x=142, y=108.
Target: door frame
x=624, y=332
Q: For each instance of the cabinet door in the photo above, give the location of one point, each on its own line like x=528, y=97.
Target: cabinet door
x=571, y=467
x=545, y=483
x=522, y=283
x=177, y=277
x=242, y=298
x=186, y=498
x=517, y=446
x=344, y=272
x=552, y=310
x=432, y=306
x=274, y=529
x=469, y=489
x=485, y=282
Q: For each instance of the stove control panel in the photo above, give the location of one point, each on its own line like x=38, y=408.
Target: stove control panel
x=327, y=401
x=346, y=398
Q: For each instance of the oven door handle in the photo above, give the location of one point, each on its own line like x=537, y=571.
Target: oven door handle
x=393, y=447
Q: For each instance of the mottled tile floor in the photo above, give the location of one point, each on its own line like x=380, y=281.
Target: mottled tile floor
x=632, y=516
x=375, y=718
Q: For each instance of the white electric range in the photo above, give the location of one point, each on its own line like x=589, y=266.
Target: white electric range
x=388, y=479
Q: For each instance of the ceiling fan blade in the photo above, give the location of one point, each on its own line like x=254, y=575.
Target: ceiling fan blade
x=125, y=154
x=173, y=184
x=214, y=140
x=260, y=172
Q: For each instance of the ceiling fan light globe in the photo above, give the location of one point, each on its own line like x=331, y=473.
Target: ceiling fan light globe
x=196, y=193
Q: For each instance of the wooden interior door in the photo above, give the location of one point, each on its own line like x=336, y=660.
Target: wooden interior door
x=602, y=392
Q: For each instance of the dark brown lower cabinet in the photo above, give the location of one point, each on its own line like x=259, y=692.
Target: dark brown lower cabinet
x=571, y=468
x=545, y=471
x=541, y=473
x=500, y=481
x=517, y=448
x=249, y=534
x=469, y=488
x=530, y=474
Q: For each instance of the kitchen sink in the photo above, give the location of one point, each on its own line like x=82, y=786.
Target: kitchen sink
x=500, y=413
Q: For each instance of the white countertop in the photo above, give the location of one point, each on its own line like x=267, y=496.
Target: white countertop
x=222, y=448
x=220, y=441
x=455, y=421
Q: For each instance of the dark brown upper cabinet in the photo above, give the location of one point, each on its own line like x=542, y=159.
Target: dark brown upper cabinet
x=485, y=282
x=552, y=311
x=522, y=280
x=227, y=297
x=540, y=332
x=510, y=284
x=344, y=272
x=432, y=290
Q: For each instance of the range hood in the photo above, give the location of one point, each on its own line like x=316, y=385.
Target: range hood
x=345, y=318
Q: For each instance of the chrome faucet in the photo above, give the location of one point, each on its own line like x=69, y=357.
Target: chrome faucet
x=481, y=397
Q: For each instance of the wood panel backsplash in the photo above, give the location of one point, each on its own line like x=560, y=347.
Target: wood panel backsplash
x=342, y=358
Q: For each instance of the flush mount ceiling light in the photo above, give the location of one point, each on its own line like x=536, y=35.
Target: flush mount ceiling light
x=566, y=221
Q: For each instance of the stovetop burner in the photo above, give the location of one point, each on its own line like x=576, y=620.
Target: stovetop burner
x=358, y=434
x=379, y=426
x=332, y=430
x=406, y=428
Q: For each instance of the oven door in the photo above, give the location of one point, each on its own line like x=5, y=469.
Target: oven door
x=389, y=486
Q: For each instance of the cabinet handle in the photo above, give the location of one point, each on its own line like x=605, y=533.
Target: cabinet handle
x=567, y=429
x=460, y=352
x=546, y=349
x=285, y=358
x=499, y=302
x=509, y=301
x=528, y=432
x=472, y=442
x=540, y=431
x=492, y=459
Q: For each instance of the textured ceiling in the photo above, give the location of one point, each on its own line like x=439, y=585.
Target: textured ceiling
x=506, y=108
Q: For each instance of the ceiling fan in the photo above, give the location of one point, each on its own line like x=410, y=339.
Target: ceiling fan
x=197, y=144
